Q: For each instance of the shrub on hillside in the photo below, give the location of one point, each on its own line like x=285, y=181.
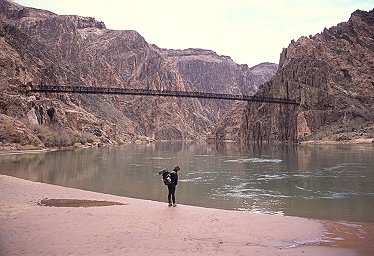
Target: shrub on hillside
x=52, y=138
x=9, y=133
x=82, y=138
x=61, y=138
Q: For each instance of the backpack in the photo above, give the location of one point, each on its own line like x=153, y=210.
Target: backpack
x=166, y=177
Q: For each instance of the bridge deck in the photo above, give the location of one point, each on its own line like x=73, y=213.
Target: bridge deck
x=145, y=92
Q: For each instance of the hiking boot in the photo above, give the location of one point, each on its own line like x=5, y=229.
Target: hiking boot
x=169, y=204
x=174, y=205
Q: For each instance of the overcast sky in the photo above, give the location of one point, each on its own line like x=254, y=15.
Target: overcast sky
x=248, y=31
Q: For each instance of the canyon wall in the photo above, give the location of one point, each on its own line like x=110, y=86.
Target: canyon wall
x=39, y=47
x=331, y=74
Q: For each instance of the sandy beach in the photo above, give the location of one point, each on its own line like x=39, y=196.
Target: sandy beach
x=141, y=227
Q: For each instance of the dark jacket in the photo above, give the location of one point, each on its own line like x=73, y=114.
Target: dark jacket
x=174, y=178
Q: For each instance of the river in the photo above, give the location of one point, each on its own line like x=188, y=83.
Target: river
x=328, y=182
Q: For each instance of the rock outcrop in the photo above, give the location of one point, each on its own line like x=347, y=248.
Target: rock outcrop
x=229, y=126
x=332, y=74
x=39, y=47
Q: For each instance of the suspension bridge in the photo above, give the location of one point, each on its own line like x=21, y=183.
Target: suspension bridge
x=163, y=93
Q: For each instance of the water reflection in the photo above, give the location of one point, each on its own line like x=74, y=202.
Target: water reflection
x=316, y=181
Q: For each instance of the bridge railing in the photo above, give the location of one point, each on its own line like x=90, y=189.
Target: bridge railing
x=166, y=93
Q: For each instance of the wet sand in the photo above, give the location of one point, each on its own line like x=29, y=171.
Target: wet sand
x=87, y=223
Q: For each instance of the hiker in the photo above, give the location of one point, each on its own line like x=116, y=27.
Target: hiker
x=172, y=186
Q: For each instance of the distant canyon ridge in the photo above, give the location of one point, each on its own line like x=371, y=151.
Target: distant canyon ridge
x=330, y=73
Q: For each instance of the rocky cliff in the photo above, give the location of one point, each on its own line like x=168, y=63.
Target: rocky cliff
x=228, y=127
x=38, y=47
x=332, y=74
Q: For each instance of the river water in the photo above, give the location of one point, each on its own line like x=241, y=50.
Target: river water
x=331, y=182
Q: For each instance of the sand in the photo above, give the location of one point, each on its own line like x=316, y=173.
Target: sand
x=142, y=227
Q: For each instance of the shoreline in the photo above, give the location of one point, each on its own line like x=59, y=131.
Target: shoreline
x=342, y=142
x=141, y=227
x=15, y=150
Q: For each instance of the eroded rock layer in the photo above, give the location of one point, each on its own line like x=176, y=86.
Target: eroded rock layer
x=332, y=74
x=38, y=47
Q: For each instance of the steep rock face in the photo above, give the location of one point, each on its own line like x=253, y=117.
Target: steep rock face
x=204, y=71
x=39, y=47
x=331, y=74
x=228, y=127
x=263, y=72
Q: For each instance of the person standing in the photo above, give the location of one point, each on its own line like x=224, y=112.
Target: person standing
x=172, y=186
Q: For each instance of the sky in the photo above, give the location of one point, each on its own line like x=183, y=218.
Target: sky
x=249, y=31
